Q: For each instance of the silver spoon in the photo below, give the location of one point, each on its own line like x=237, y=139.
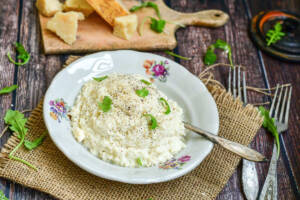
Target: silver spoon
x=241, y=150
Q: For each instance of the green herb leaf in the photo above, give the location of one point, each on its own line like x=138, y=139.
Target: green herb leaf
x=153, y=122
x=210, y=56
x=16, y=122
x=142, y=93
x=157, y=25
x=274, y=35
x=106, y=104
x=269, y=124
x=37, y=142
x=147, y=4
x=168, y=110
x=23, y=55
x=146, y=82
x=2, y=196
x=8, y=89
x=176, y=55
x=99, y=79
x=139, y=161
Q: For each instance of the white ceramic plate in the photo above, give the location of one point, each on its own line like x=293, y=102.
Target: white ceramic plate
x=178, y=84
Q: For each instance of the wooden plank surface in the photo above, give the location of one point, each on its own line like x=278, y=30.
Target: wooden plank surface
x=35, y=77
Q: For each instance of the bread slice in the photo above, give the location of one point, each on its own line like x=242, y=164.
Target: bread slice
x=109, y=9
x=79, y=6
x=65, y=25
x=48, y=8
x=125, y=26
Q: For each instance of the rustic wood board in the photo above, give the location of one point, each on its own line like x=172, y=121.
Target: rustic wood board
x=94, y=34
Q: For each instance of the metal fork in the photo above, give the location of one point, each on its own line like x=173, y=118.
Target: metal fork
x=269, y=190
x=249, y=173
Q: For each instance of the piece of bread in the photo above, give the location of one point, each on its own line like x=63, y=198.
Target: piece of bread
x=109, y=9
x=48, y=8
x=125, y=26
x=79, y=6
x=65, y=25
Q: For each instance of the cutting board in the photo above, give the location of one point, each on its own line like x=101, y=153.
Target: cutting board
x=94, y=34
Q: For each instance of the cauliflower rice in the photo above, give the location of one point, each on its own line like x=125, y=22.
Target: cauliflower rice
x=122, y=135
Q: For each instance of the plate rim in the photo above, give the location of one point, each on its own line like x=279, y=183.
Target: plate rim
x=114, y=178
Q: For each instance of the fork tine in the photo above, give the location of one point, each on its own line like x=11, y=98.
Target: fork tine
x=278, y=104
x=274, y=100
x=244, y=88
x=234, y=82
x=229, y=80
x=286, y=118
x=239, y=82
x=283, y=104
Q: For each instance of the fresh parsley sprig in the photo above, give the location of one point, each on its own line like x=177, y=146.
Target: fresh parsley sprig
x=269, y=124
x=2, y=196
x=274, y=35
x=142, y=92
x=23, y=55
x=35, y=143
x=8, y=89
x=177, y=56
x=16, y=122
x=210, y=56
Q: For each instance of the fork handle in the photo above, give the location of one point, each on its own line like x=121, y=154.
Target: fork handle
x=250, y=180
x=269, y=189
x=241, y=150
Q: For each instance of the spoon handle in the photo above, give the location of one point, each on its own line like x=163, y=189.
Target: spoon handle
x=241, y=150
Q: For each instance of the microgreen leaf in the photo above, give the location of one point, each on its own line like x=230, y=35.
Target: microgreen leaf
x=139, y=161
x=2, y=196
x=153, y=122
x=99, y=79
x=16, y=122
x=23, y=55
x=168, y=110
x=176, y=55
x=269, y=124
x=37, y=142
x=8, y=89
x=146, y=82
x=157, y=25
x=274, y=35
x=146, y=4
x=106, y=104
x=142, y=93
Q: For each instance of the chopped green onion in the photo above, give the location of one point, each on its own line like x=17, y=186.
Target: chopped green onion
x=99, y=79
x=139, y=161
x=168, y=110
x=142, y=93
x=176, y=55
x=153, y=122
x=106, y=104
x=146, y=82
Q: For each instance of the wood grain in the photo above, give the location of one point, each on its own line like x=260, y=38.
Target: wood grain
x=94, y=34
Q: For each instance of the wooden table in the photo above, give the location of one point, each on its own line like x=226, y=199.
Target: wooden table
x=18, y=22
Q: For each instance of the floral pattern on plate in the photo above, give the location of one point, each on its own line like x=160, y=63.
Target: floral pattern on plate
x=175, y=163
x=59, y=109
x=156, y=69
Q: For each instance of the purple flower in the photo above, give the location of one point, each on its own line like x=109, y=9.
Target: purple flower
x=159, y=70
x=51, y=103
x=184, y=159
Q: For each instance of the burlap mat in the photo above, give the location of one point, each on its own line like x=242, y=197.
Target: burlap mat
x=62, y=179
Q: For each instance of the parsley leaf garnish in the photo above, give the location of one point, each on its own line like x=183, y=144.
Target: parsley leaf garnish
x=274, y=35
x=210, y=56
x=16, y=122
x=37, y=142
x=176, y=55
x=99, y=79
x=168, y=110
x=106, y=104
x=146, y=82
x=157, y=25
x=147, y=4
x=139, y=161
x=142, y=93
x=153, y=122
x=8, y=89
x=23, y=55
x=269, y=124
x=2, y=196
